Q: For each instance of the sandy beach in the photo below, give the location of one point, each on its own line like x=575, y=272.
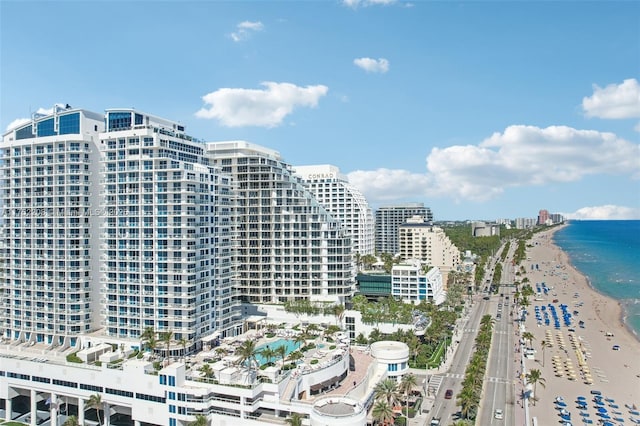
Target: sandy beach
x=581, y=359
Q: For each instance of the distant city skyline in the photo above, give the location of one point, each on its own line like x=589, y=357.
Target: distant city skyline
x=472, y=108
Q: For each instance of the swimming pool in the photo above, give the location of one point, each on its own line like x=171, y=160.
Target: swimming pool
x=289, y=344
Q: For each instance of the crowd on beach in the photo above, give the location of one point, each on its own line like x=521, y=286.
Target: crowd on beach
x=576, y=338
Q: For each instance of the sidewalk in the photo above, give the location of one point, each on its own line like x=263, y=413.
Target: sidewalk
x=422, y=418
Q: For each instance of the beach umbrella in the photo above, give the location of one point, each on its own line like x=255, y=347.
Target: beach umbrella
x=581, y=398
x=561, y=404
x=601, y=410
x=584, y=414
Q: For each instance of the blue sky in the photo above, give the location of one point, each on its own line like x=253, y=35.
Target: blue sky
x=481, y=110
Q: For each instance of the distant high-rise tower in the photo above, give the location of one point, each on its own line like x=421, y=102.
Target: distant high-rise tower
x=543, y=217
x=389, y=218
x=345, y=203
x=289, y=246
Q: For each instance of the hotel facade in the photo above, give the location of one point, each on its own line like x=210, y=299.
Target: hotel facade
x=118, y=223
x=345, y=203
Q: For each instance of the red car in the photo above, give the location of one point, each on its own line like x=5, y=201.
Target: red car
x=448, y=394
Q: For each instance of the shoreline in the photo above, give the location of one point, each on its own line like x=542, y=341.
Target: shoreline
x=624, y=313
x=600, y=354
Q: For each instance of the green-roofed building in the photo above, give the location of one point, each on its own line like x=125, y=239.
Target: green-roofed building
x=374, y=286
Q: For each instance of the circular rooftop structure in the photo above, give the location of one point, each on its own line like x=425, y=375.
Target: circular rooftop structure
x=395, y=355
x=338, y=411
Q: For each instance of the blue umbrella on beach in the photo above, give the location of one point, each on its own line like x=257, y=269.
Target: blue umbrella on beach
x=602, y=410
x=581, y=398
x=561, y=404
x=584, y=414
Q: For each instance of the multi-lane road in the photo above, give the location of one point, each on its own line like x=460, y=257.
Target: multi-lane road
x=500, y=378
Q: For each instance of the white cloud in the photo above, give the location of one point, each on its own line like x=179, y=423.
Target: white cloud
x=354, y=4
x=42, y=111
x=372, y=65
x=614, y=101
x=521, y=156
x=387, y=185
x=254, y=107
x=17, y=122
x=245, y=29
x=606, y=212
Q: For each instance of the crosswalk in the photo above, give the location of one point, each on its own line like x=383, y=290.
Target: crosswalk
x=460, y=376
x=433, y=387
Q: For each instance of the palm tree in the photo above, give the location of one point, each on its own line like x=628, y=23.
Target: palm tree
x=527, y=335
x=95, y=401
x=151, y=343
x=221, y=352
x=71, y=421
x=294, y=419
x=148, y=333
x=338, y=311
x=387, y=390
x=166, y=337
x=382, y=413
x=206, y=370
x=281, y=351
x=468, y=400
x=183, y=342
x=199, y=421
x=247, y=352
x=268, y=354
x=535, y=377
x=545, y=344
x=407, y=383
x=295, y=355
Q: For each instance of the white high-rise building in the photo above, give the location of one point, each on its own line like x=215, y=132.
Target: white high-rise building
x=345, y=203
x=113, y=230
x=289, y=246
x=167, y=235
x=49, y=235
x=414, y=281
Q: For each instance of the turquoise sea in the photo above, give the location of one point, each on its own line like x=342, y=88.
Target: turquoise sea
x=608, y=253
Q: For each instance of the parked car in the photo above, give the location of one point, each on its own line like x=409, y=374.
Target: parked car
x=448, y=394
x=499, y=414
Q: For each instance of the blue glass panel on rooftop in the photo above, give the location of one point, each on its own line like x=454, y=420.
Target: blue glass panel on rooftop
x=25, y=132
x=45, y=128
x=69, y=124
x=118, y=120
x=138, y=119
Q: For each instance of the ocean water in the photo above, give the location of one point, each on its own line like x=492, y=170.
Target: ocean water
x=608, y=253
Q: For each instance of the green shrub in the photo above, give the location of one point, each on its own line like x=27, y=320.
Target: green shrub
x=332, y=347
x=400, y=421
x=74, y=358
x=270, y=335
x=313, y=361
x=98, y=363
